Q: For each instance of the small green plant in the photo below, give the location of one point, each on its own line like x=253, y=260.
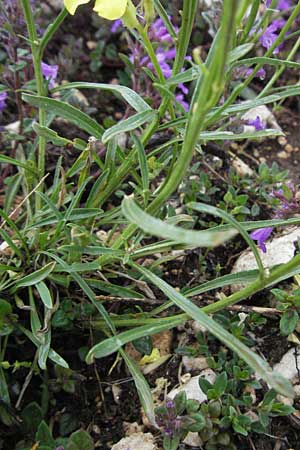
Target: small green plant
x=289, y=304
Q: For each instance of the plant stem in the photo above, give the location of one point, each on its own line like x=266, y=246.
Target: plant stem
x=209, y=92
x=36, y=57
x=188, y=17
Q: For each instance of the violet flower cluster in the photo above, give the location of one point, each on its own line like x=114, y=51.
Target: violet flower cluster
x=287, y=207
x=169, y=421
x=165, y=53
x=270, y=35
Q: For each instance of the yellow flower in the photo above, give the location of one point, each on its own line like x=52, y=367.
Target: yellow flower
x=108, y=9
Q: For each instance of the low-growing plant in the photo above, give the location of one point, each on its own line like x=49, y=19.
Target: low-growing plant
x=74, y=236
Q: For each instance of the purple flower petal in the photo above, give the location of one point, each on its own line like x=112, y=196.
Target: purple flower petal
x=3, y=97
x=116, y=25
x=50, y=73
x=257, y=123
x=261, y=235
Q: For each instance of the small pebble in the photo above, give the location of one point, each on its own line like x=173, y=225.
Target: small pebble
x=283, y=155
x=289, y=148
x=282, y=140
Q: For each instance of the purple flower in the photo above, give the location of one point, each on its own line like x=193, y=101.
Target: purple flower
x=261, y=73
x=268, y=38
x=50, y=73
x=170, y=404
x=116, y=25
x=261, y=235
x=180, y=99
x=3, y=97
x=257, y=123
x=282, y=4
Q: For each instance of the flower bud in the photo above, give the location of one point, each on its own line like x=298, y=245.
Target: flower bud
x=129, y=18
x=149, y=11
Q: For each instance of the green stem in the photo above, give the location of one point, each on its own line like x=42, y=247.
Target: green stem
x=236, y=92
x=36, y=57
x=51, y=30
x=188, y=16
x=208, y=94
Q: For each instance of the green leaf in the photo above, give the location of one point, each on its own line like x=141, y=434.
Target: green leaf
x=45, y=294
x=66, y=111
x=254, y=361
x=288, y=322
x=205, y=385
x=142, y=387
x=265, y=60
x=44, y=435
x=7, y=160
x=131, y=97
x=238, y=52
x=207, y=136
x=156, y=227
x=80, y=440
x=143, y=162
x=143, y=345
x=129, y=124
x=35, y=277
x=221, y=383
x=53, y=136
x=180, y=402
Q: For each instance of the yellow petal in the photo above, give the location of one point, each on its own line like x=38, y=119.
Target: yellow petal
x=110, y=9
x=147, y=359
x=72, y=5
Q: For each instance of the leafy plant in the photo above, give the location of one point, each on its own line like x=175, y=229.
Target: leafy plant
x=85, y=224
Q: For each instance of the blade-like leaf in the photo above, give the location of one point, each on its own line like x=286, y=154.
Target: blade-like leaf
x=131, y=97
x=66, y=111
x=260, y=366
x=157, y=227
x=45, y=294
x=129, y=124
x=35, y=277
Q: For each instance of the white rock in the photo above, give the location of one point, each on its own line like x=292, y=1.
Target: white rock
x=198, y=363
x=137, y=441
x=241, y=168
x=280, y=250
x=13, y=127
x=287, y=366
x=192, y=440
x=192, y=388
x=265, y=116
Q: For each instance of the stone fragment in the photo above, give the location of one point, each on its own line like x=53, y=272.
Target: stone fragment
x=280, y=250
x=137, y=441
x=192, y=388
x=287, y=365
x=193, y=440
x=198, y=363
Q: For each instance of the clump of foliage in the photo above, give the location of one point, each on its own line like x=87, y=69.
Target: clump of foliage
x=75, y=234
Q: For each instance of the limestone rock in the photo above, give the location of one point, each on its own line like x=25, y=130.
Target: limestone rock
x=280, y=250
x=192, y=388
x=137, y=441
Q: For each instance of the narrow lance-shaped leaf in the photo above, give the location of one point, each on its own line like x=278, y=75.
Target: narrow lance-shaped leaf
x=129, y=124
x=66, y=111
x=260, y=366
x=36, y=277
x=157, y=227
x=130, y=96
